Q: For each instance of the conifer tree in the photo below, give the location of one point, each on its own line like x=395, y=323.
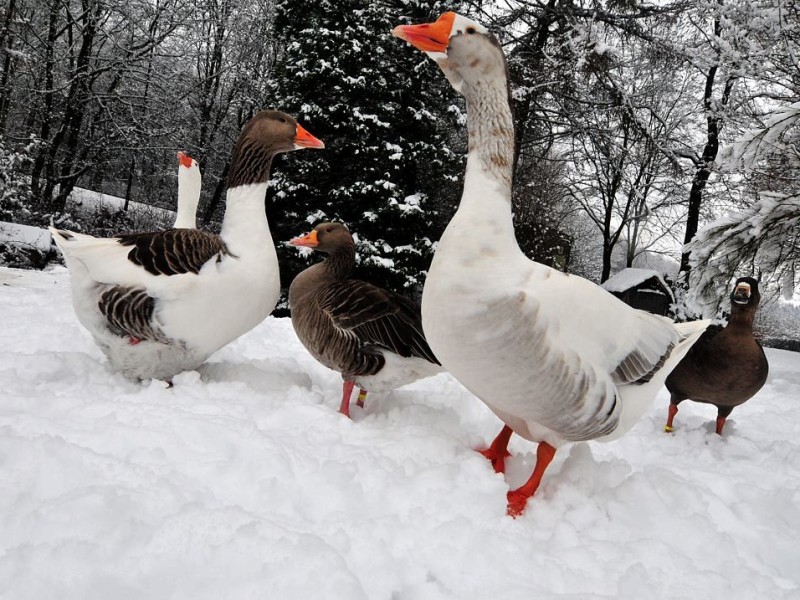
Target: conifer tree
x=390, y=125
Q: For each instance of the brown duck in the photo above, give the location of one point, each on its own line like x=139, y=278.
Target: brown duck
x=727, y=366
x=372, y=336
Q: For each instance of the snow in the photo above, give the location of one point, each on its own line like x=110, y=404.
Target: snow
x=243, y=482
x=631, y=277
x=744, y=154
x=757, y=236
x=25, y=235
x=87, y=202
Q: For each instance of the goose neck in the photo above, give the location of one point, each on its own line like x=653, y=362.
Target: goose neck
x=491, y=133
x=245, y=214
x=339, y=264
x=742, y=318
x=186, y=217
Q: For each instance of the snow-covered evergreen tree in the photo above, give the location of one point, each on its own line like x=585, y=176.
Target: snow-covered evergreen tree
x=389, y=123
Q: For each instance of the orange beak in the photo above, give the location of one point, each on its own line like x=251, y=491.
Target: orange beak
x=185, y=160
x=428, y=37
x=308, y=240
x=303, y=139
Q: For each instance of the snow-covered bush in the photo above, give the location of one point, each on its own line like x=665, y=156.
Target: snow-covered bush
x=17, y=206
x=777, y=324
x=15, y=191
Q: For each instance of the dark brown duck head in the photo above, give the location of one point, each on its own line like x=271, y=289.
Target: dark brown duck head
x=745, y=298
x=326, y=237
x=268, y=133
x=335, y=240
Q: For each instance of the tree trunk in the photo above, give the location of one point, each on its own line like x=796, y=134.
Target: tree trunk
x=522, y=110
x=606, y=272
x=6, y=42
x=217, y=197
x=40, y=163
x=76, y=107
x=129, y=185
x=714, y=122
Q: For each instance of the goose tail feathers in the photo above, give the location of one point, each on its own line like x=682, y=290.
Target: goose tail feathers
x=637, y=398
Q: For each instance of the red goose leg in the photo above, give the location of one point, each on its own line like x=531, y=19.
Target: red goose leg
x=519, y=497
x=722, y=415
x=347, y=391
x=362, y=395
x=498, y=450
x=673, y=410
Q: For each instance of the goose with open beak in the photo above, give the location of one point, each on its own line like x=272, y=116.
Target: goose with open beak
x=557, y=358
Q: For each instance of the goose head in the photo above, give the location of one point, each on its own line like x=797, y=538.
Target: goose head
x=745, y=293
x=325, y=237
x=464, y=49
x=268, y=133
x=189, y=184
x=187, y=162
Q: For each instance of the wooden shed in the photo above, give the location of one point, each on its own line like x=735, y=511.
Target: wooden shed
x=644, y=289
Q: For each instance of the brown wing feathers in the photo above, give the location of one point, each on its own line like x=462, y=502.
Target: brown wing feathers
x=378, y=317
x=129, y=312
x=635, y=368
x=173, y=251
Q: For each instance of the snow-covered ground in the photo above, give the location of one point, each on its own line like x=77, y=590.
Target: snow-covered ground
x=25, y=235
x=243, y=482
x=87, y=203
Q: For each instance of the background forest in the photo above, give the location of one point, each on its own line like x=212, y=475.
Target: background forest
x=638, y=125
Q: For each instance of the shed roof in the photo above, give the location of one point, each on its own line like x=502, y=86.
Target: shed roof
x=630, y=278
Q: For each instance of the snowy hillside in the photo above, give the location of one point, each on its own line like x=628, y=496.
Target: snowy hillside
x=243, y=482
x=86, y=203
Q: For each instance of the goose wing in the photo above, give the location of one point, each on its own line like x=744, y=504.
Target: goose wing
x=129, y=313
x=628, y=345
x=556, y=350
x=377, y=317
x=138, y=259
x=173, y=251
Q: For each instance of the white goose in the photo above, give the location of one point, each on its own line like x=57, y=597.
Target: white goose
x=161, y=303
x=554, y=356
x=190, y=182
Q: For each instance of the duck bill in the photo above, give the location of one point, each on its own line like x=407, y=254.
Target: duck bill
x=741, y=295
x=308, y=240
x=428, y=37
x=303, y=139
x=185, y=160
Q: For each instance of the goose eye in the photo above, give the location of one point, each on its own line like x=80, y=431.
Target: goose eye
x=471, y=30
x=283, y=120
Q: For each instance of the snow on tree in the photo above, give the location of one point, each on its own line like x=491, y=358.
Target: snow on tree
x=764, y=238
x=774, y=136
x=739, y=50
x=388, y=120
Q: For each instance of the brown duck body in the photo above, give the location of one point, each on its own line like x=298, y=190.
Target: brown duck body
x=726, y=367
x=372, y=336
